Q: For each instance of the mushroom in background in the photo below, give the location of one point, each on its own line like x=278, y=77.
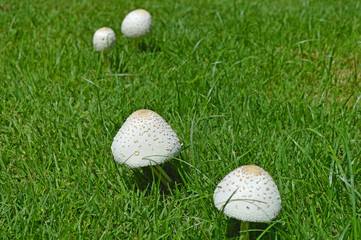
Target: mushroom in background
x=137, y=24
x=104, y=39
x=249, y=194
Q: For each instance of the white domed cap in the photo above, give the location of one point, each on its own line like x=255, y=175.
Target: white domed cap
x=104, y=39
x=248, y=193
x=137, y=23
x=145, y=139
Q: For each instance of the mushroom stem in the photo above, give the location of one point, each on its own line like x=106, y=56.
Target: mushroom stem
x=166, y=180
x=106, y=62
x=135, y=44
x=244, y=230
x=159, y=176
x=104, y=59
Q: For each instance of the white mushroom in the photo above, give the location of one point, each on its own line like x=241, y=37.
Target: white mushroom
x=104, y=39
x=137, y=23
x=248, y=193
x=145, y=139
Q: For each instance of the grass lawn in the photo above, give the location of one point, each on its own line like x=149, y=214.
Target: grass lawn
x=275, y=83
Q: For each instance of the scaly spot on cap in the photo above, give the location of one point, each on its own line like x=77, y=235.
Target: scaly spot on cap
x=141, y=12
x=252, y=170
x=105, y=29
x=144, y=113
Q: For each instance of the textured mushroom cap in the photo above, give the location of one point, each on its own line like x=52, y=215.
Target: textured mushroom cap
x=104, y=39
x=145, y=139
x=250, y=195
x=137, y=23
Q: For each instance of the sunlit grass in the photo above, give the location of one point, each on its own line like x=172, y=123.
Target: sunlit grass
x=271, y=83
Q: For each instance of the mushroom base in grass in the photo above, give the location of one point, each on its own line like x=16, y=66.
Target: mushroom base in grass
x=237, y=229
x=146, y=176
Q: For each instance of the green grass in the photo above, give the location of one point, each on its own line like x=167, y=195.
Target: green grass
x=272, y=83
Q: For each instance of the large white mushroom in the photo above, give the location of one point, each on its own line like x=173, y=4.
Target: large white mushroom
x=104, y=39
x=145, y=139
x=137, y=23
x=249, y=194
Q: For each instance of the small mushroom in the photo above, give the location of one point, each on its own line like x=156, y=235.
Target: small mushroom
x=145, y=139
x=137, y=23
x=104, y=39
x=249, y=194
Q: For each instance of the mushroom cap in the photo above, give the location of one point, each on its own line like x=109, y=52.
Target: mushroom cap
x=248, y=193
x=145, y=139
x=137, y=23
x=104, y=39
